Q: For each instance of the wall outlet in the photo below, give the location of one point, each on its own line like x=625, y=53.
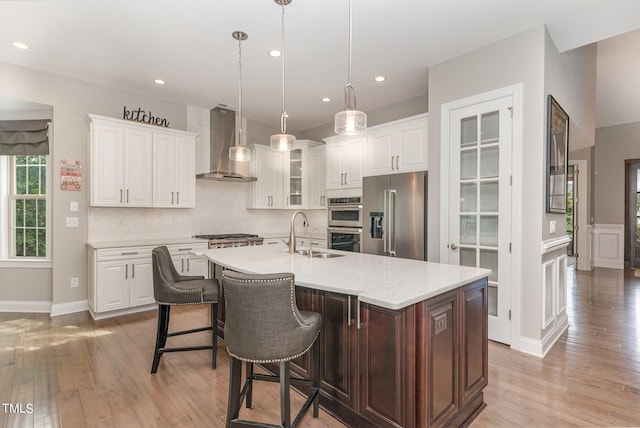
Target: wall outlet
x=72, y=221
x=73, y=206
x=552, y=226
x=74, y=282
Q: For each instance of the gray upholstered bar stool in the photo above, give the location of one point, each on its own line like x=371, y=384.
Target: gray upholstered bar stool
x=263, y=325
x=170, y=289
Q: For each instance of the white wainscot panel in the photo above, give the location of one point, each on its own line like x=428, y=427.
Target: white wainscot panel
x=608, y=246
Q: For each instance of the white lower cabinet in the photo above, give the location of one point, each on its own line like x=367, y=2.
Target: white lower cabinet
x=121, y=278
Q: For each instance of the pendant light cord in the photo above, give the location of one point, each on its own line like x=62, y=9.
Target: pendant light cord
x=283, y=121
x=239, y=141
x=350, y=43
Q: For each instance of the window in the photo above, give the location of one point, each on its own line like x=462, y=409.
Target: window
x=28, y=206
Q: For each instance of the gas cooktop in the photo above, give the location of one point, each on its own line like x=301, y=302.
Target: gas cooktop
x=227, y=236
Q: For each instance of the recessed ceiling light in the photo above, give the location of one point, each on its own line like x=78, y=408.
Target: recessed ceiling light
x=379, y=78
x=326, y=99
x=275, y=53
x=159, y=82
x=20, y=45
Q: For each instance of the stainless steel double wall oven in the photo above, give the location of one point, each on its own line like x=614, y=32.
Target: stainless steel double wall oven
x=344, y=230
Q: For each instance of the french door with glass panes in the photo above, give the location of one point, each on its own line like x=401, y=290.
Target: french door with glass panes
x=480, y=201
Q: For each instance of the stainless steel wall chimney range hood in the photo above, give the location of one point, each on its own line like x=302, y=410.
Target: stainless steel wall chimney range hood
x=223, y=135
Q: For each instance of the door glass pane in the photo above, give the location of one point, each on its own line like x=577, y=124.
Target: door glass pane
x=489, y=230
x=468, y=164
x=489, y=260
x=489, y=162
x=489, y=196
x=493, y=300
x=469, y=131
x=468, y=197
x=489, y=127
x=468, y=229
x=468, y=257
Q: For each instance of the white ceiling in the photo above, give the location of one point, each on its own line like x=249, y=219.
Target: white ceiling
x=128, y=43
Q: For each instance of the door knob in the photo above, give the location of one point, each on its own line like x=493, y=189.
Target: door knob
x=453, y=247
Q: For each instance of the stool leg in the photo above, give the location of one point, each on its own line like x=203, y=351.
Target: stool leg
x=214, y=334
x=285, y=408
x=233, y=403
x=316, y=376
x=161, y=335
x=249, y=395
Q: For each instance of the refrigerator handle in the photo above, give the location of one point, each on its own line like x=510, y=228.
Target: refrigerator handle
x=391, y=215
x=385, y=225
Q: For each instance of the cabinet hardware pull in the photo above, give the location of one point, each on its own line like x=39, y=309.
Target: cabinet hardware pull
x=130, y=253
x=120, y=195
x=358, y=323
x=397, y=160
x=342, y=179
x=182, y=270
x=346, y=179
x=349, y=310
x=185, y=249
x=126, y=271
x=392, y=168
x=127, y=195
x=188, y=267
x=178, y=198
x=133, y=270
x=171, y=198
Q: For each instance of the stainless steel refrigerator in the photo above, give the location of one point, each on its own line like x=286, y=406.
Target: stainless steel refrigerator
x=394, y=211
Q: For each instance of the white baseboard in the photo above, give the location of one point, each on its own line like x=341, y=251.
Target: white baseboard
x=539, y=348
x=25, y=306
x=119, y=312
x=69, y=308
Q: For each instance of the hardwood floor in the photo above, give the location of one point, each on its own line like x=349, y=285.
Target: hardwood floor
x=76, y=372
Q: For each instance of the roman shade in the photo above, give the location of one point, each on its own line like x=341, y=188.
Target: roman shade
x=24, y=137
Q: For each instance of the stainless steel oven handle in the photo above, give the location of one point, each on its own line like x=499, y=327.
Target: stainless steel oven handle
x=356, y=230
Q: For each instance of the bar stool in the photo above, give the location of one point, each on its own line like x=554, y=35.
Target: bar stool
x=171, y=289
x=263, y=325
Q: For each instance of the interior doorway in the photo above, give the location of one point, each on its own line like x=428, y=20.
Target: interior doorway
x=572, y=207
x=632, y=213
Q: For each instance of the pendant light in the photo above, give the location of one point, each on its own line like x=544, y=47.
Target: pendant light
x=283, y=141
x=350, y=121
x=238, y=152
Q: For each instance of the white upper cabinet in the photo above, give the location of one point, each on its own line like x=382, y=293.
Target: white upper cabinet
x=174, y=170
x=134, y=165
x=316, y=173
x=268, y=167
x=120, y=164
x=286, y=179
x=344, y=161
x=395, y=147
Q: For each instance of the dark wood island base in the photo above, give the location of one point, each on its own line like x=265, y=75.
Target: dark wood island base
x=421, y=366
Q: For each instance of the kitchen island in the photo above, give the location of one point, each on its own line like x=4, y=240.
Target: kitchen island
x=403, y=342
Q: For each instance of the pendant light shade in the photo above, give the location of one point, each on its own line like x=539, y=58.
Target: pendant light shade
x=350, y=121
x=283, y=141
x=239, y=152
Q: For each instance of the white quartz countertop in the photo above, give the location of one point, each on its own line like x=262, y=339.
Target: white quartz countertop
x=144, y=242
x=392, y=283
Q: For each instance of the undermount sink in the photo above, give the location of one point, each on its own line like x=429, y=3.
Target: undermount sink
x=319, y=255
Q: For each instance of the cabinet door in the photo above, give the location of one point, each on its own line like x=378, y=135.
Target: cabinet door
x=107, y=173
x=163, y=170
x=473, y=353
x=353, y=158
x=185, y=172
x=294, y=188
x=140, y=282
x=381, y=159
x=305, y=300
x=316, y=178
x=112, y=285
x=338, y=352
x=411, y=147
x=138, y=149
x=387, y=366
x=268, y=167
x=439, y=348
x=334, y=170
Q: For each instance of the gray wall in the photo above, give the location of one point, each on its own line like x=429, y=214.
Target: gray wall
x=614, y=144
x=531, y=59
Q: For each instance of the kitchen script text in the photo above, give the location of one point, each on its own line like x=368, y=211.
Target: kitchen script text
x=144, y=117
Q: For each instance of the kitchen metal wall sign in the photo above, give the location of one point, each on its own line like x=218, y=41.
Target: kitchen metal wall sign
x=142, y=116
